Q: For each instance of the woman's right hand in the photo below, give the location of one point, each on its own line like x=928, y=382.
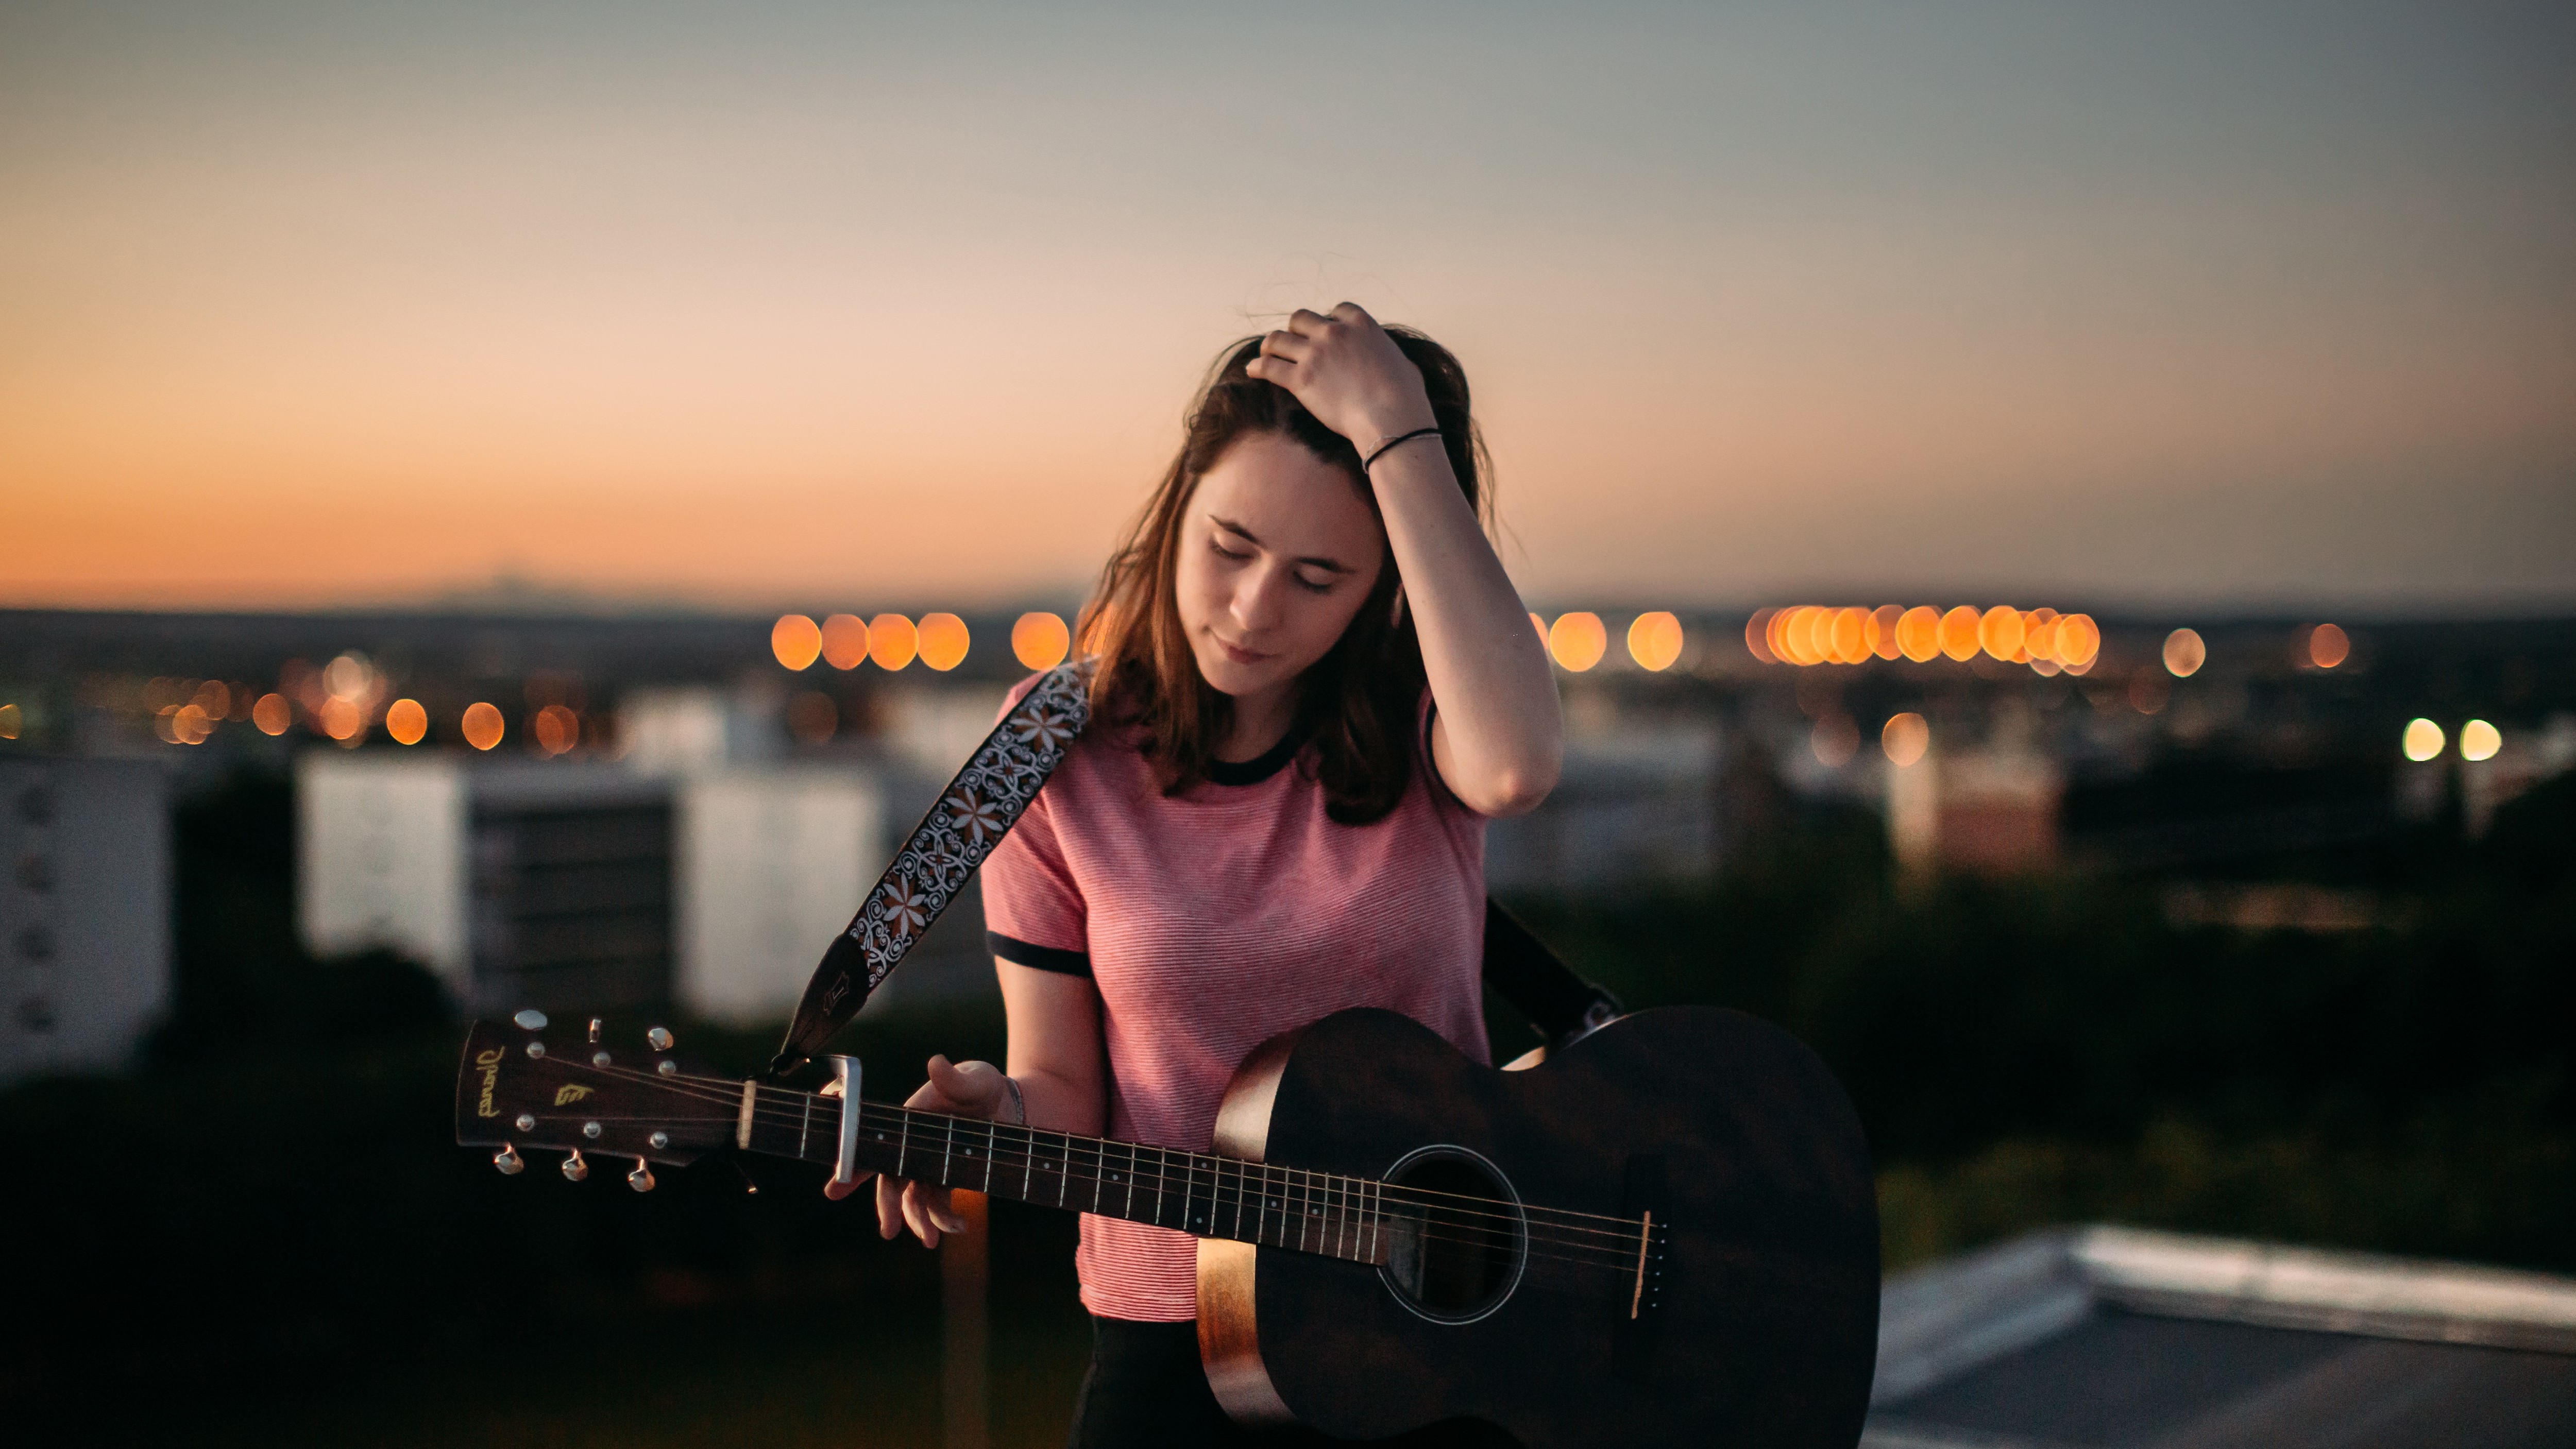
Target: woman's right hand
x=963, y=1089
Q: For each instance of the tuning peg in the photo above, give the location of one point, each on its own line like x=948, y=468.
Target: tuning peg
x=531, y=1019
x=509, y=1161
x=594, y=1031
x=574, y=1169
x=641, y=1179
x=660, y=1037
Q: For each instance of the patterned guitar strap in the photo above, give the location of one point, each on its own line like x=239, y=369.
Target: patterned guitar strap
x=977, y=809
x=981, y=805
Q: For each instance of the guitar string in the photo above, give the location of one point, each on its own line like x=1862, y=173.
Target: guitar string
x=1197, y=1170
x=1625, y=1234
x=732, y=1091
x=719, y=1089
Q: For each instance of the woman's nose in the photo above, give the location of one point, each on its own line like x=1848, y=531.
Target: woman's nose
x=1257, y=599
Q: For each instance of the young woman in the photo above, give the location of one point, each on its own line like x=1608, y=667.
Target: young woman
x=1314, y=686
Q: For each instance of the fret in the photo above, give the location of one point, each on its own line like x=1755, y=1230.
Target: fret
x=1029, y=1166
x=1129, y=1212
x=1063, y=1168
x=1241, y=1176
x=947, y=1149
x=1099, y=1176
x=903, y=1147
x=807, y=1125
x=990, y=1128
x=1305, y=1190
x=1189, y=1184
x=1162, y=1159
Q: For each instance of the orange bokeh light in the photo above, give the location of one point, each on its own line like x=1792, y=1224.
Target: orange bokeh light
x=2328, y=646
x=1798, y=638
x=2000, y=632
x=1882, y=630
x=342, y=720
x=407, y=722
x=1757, y=635
x=892, y=641
x=1959, y=632
x=845, y=641
x=1039, y=641
x=1578, y=640
x=558, y=729
x=272, y=714
x=483, y=725
x=794, y=639
x=2078, y=640
x=943, y=641
x=2039, y=635
x=1918, y=633
x=1905, y=738
x=1655, y=640
x=1851, y=636
x=2185, y=653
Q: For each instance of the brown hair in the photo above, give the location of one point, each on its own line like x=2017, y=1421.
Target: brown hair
x=1359, y=701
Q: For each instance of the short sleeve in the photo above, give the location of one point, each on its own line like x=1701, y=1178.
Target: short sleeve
x=1034, y=914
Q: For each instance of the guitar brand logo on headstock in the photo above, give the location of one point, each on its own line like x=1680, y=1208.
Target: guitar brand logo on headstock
x=566, y=1096
x=489, y=1064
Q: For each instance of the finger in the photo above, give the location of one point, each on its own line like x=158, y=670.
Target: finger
x=889, y=1209
x=1274, y=369
x=973, y=1086
x=917, y=1213
x=1308, y=324
x=835, y=1189
x=1353, y=314
x=1286, y=344
x=940, y=1206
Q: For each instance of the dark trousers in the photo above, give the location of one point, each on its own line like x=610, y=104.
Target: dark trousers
x=1146, y=1390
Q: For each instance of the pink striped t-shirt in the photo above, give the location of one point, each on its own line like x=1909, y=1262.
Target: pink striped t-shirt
x=1212, y=922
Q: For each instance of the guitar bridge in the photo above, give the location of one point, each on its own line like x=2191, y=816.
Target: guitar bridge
x=1646, y=1203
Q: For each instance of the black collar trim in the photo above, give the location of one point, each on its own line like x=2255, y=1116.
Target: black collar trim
x=1254, y=771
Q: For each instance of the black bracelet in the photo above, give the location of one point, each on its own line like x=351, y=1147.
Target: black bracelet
x=1383, y=448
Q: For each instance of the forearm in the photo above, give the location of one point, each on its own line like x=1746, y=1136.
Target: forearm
x=1059, y=1104
x=1503, y=737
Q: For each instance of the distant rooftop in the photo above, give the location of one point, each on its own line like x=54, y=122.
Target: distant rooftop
x=2106, y=1338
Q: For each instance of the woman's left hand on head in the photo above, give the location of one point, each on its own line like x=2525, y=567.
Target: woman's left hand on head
x=1346, y=371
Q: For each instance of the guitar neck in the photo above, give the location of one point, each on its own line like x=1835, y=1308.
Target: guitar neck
x=1198, y=1193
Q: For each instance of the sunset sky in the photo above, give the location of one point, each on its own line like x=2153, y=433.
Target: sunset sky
x=760, y=304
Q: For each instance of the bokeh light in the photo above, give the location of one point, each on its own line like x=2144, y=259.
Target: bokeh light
x=845, y=641
x=407, y=722
x=189, y=725
x=1850, y=636
x=10, y=721
x=1039, y=641
x=892, y=641
x=795, y=639
x=557, y=729
x=1999, y=633
x=1882, y=631
x=272, y=714
x=942, y=640
x=1757, y=635
x=2479, y=740
x=2148, y=692
x=1655, y=641
x=1835, y=740
x=1578, y=641
x=483, y=725
x=213, y=699
x=341, y=718
x=2328, y=646
x=2422, y=741
x=349, y=677
x=1918, y=633
x=1959, y=632
x=2185, y=653
x=1905, y=738
x=1798, y=643
x=812, y=717
x=2079, y=639
x=2039, y=636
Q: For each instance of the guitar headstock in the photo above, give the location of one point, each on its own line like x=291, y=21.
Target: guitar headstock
x=523, y=1086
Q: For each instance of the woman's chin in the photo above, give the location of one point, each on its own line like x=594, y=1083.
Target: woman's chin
x=1227, y=677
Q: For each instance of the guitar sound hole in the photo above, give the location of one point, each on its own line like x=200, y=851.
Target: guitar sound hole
x=1456, y=1237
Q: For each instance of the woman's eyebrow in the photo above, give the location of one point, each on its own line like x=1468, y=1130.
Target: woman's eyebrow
x=1241, y=532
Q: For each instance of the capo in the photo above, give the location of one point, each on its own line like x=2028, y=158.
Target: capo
x=845, y=1075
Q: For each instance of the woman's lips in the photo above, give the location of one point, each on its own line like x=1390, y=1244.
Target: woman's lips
x=1236, y=653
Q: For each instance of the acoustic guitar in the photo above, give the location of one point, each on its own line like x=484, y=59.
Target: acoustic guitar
x=1666, y=1233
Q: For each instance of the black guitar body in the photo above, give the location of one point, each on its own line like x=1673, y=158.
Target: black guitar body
x=1749, y=1317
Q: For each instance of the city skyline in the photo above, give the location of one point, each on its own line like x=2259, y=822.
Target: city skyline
x=2209, y=308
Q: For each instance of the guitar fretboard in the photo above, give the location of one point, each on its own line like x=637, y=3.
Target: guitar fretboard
x=1198, y=1193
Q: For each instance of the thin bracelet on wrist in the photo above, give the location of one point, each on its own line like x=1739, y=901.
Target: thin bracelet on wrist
x=1390, y=444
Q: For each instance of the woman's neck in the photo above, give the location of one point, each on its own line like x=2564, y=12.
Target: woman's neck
x=1261, y=721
